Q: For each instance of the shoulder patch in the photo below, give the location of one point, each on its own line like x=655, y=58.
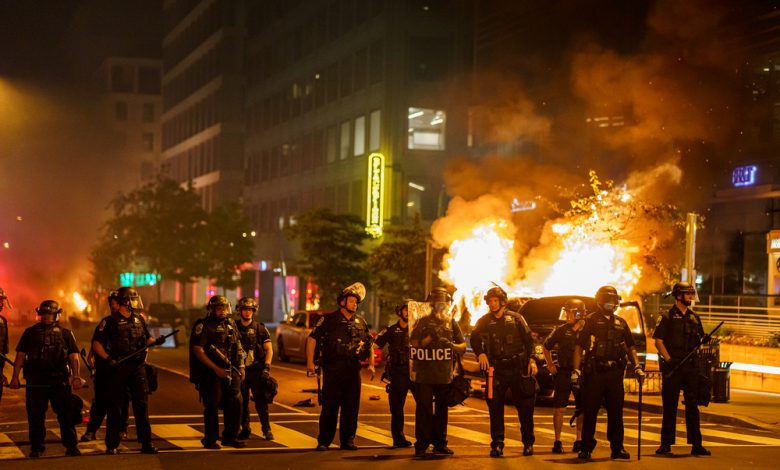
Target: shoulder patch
x=102, y=325
x=199, y=328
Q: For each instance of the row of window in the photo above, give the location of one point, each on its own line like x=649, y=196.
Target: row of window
x=205, y=69
x=195, y=119
x=272, y=216
x=206, y=24
x=351, y=138
x=191, y=163
x=127, y=78
x=334, y=20
x=122, y=111
x=319, y=88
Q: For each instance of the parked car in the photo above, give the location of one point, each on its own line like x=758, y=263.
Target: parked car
x=291, y=336
x=543, y=315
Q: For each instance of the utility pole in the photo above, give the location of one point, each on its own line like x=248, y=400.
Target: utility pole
x=688, y=273
x=428, y=266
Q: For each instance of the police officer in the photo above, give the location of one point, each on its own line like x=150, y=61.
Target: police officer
x=101, y=383
x=343, y=340
x=434, y=341
x=216, y=344
x=678, y=332
x=3, y=340
x=50, y=358
x=123, y=334
x=502, y=339
x=606, y=340
x=256, y=343
x=563, y=340
x=396, y=337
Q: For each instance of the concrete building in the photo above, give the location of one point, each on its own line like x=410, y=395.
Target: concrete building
x=131, y=102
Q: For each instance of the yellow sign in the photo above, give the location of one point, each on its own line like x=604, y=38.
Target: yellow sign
x=376, y=194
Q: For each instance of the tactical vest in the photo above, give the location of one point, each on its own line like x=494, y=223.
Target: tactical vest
x=129, y=335
x=683, y=334
x=346, y=339
x=249, y=342
x=48, y=354
x=607, y=342
x=504, y=339
x=566, y=345
x=399, y=348
x=222, y=334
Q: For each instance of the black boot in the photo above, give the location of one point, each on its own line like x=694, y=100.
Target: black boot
x=664, y=449
x=557, y=447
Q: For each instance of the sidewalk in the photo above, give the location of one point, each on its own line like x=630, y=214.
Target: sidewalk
x=760, y=410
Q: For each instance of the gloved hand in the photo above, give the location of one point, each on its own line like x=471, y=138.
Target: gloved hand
x=640, y=374
x=266, y=372
x=111, y=363
x=670, y=364
x=575, y=379
x=159, y=341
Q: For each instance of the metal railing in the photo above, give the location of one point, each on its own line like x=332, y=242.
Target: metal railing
x=753, y=316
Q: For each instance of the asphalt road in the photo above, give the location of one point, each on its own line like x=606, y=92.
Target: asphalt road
x=177, y=427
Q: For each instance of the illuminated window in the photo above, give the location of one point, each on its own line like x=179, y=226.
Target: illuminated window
x=427, y=129
x=360, y=136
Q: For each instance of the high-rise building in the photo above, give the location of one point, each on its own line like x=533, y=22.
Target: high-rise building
x=203, y=92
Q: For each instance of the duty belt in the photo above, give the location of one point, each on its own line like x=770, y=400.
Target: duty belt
x=509, y=362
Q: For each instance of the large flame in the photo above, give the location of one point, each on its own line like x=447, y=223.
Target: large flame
x=576, y=255
x=80, y=302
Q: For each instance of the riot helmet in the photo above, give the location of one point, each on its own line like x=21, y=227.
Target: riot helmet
x=574, y=306
x=113, y=302
x=218, y=306
x=607, y=299
x=128, y=297
x=356, y=290
x=49, y=307
x=440, y=299
x=496, y=293
x=246, y=303
x=679, y=291
x=399, y=309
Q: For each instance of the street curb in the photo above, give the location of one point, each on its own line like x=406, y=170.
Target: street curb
x=705, y=416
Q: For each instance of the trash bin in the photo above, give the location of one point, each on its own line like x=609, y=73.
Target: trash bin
x=721, y=382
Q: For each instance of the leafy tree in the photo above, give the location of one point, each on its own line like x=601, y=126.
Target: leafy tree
x=229, y=244
x=397, y=264
x=160, y=227
x=331, y=245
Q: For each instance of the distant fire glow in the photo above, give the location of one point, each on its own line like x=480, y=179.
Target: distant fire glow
x=80, y=302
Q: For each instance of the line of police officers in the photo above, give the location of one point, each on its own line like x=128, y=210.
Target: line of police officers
x=230, y=361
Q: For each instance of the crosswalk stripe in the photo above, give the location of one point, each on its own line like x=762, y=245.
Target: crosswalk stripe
x=374, y=433
x=292, y=438
x=475, y=436
x=179, y=435
x=632, y=433
x=552, y=433
x=740, y=437
x=8, y=448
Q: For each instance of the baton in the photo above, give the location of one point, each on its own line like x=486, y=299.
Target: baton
x=136, y=353
x=5, y=358
x=703, y=340
x=91, y=369
x=641, y=380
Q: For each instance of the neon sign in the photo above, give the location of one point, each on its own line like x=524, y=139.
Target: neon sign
x=744, y=176
x=376, y=194
x=138, y=279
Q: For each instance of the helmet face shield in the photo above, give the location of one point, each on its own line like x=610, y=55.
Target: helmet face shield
x=129, y=298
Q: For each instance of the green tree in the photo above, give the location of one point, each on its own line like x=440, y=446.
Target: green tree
x=331, y=245
x=159, y=227
x=397, y=264
x=229, y=245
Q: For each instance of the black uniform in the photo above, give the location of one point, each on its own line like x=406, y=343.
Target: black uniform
x=102, y=399
x=680, y=333
x=121, y=336
x=431, y=382
x=253, y=339
x=563, y=339
x=219, y=334
x=46, y=349
x=340, y=341
x=605, y=339
x=508, y=344
x=3, y=347
x=397, y=369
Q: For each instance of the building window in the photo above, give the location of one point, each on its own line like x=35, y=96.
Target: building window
x=120, y=111
x=121, y=79
x=147, y=112
x=428, y=58
x=344, y=142
x=373, y=133
x=148, y=141
x=376, y=62
x=427, y=129
x=149, y=80
x=360, y=136
x=331, y=144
